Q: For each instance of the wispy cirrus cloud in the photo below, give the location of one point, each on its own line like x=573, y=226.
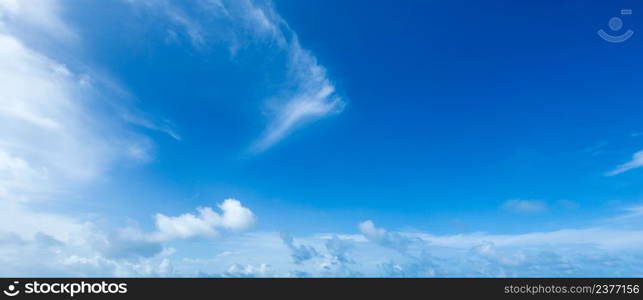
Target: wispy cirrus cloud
x=183, y=22
x=58, y=134
x=308, y=93
x=46, y=119
x=636, y=162
x=314, y=97
x=163, y=126
x=19, y=16
x=631, y=213
x=60, y=124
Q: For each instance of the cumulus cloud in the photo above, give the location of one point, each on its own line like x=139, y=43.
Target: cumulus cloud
x=299, y=253
x=72, y=247
x=410, y=263
x=51, y=139
x=235, y=217
x=336, y=261
x=524, y=206
x=384, y=238
x=636, y=162
x=188, y=225
x=488, y=251
x=593, y=251
x=331, y=260
x=78, y=247
x=248, y=271
x=422, y=266
x=338, y=249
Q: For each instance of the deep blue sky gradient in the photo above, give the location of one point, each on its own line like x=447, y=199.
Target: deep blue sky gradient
x=454, y=107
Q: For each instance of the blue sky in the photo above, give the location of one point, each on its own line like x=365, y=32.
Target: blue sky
x=320, y=138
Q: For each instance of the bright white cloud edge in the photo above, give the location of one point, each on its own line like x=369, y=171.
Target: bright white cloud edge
x=636, y=162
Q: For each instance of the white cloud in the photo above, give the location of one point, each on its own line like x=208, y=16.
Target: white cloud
x=43, y=15
x=127, y=244
x=57, y=134
x=314, y=97
x=69, y=246
x=248, y=271
x=51, y=139
x=163, y=126
x=308, y=93
x=77, y=247
x=43, y=118
x=187, y=225
x=299, y=253
x=177, y=16
x=636, y=162
x=631, y=213
x=23, y=220
x=235, y=217
x=58, y=130
x=602, y=238
x=384, y=238
x=338, y=249
x=524, y=206
x=18, y=178
x=593, y=251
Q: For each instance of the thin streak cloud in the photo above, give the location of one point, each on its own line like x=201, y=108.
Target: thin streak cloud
x=636, y=162
x=308, y=93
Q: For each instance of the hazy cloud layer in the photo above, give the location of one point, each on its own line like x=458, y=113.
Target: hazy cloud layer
x=524, y=206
